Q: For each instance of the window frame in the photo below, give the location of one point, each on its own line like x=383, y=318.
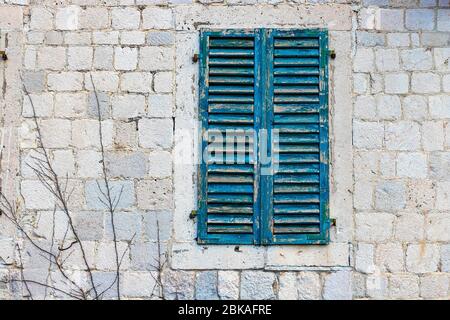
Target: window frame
x=263, y=214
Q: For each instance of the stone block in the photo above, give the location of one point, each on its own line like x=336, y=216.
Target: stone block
x=125, y=58
x=402, y=136
x=125, y=18
x=155, y=194
x=338, y=286
x=122, y=191
x=228, y=285
x=422, y=258
x=126, y=164
x=206, y=285
x=258, y=285
x=373, y=227
x=156, y=133
x=128, y=106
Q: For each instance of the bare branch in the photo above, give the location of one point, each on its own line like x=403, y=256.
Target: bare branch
x=109, y=201
x=30, y=295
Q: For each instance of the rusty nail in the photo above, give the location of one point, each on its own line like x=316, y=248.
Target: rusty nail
x=193, y=214
x=332, y=54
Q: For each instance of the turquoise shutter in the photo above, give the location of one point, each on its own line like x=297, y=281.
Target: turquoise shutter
x=228, y=211
x=272, y=80
x=298, y=117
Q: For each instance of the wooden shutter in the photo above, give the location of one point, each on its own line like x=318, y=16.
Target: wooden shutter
x=264, y=80
x=228, y=102
x=298, y=116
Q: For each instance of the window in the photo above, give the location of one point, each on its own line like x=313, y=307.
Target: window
x=263, y=176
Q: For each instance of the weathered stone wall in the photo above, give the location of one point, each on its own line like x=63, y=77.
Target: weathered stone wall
x=390, y=146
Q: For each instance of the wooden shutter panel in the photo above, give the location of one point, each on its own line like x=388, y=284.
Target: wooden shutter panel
x=228, y=211
x=298, y=117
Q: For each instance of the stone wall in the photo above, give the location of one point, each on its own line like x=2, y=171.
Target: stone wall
x=390, y=147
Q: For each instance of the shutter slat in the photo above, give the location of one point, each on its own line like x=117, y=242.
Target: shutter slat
x=299, y=168
x=230, y=198
x=298, y=188
x=227, y=158
x=298, y=158
x=297, y=138
x=297, y=148
x=230, y=178
x=230, y=118
x=295, y=79
x=293, y=71
x=227, y=52
x=297, y=118
x=296, y=178
x=296, y=99
x=231, y=43
x=230, y=188
x=297, y=128
x=232, y=209
x=292, y=219
x=302, y=229
x=295, y=198
x=231, y=71
x=230, y=80
x=229, y=219
x=295, y=108
x=295, y=89
x=297, y=53
x=296, y=62
x=241, y=62
x=298, y=43
x=230, y=108
x=230, y=98
x=222, y=89
x=230, y=168
x=296, y=209
x=229, y=228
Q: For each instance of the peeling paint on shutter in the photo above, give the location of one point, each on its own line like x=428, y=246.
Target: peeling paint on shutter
x=299, y=120
x=228, y=207
x=274, y=80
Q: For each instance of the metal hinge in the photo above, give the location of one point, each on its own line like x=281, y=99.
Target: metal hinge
x=332, y=54
x=193, y=214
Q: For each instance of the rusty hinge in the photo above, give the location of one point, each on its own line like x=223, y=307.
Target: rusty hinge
x=193, y=214
x=195, y=58
x=333, y=222
x=3, y=55
x=332, y=54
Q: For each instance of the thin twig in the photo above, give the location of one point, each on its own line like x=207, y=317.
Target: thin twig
x=57, y=189
x=30, y=295
x=49, y=278
x=48, y=286
x=110, y=204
